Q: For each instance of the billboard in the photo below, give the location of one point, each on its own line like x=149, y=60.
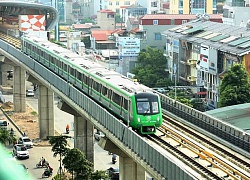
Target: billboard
x=32, y=22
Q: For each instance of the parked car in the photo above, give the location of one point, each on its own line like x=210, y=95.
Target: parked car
x=20, y=151
x=30, y=92
x=98, y=135
x=26, y=141
x=113, y=173
x=3, y=124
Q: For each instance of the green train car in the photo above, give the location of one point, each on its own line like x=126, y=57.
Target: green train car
x=127, y=99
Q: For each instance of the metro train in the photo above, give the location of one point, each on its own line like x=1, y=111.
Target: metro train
x=120, y=95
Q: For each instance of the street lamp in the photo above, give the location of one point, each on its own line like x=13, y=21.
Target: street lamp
x=175, y=82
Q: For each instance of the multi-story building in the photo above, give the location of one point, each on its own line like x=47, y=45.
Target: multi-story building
x=193, y=7
x=106, y=19
x=118, y=6
x=235, y=15
x=202, y=51
x=90, y=8
x=152, y=25
x=153, y=6
x=133, y=11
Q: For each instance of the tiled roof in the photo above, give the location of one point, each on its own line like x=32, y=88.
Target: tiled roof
x=81, y=26
x=178, y=16
x=106, y=11
x=100, y=35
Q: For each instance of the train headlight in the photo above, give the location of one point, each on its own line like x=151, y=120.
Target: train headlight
x=158, y=118
x=139, y=119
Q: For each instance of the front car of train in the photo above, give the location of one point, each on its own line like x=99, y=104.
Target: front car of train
x=147, y=112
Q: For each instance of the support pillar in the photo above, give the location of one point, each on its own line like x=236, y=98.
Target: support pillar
x=83, y=133
x=19, y=89
x=46, y=112
x=129, y=170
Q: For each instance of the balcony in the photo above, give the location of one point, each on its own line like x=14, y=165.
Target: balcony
x=191, y=78
x=191, y=62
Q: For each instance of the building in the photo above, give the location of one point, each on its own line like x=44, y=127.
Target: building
x=106, y=19
x=90, y=8
x=153, y=6
x=115, y=5
x=153, y=25
x=133, y=11
x=193, y=7
x=235, y=15
x=201, y=51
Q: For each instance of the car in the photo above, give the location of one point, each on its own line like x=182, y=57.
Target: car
x=30, y=92
x=113, y=173
x=20, y=151
x=98, y=135
x=26, y=141
x=3, y=124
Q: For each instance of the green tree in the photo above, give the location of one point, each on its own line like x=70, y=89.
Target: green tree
x=235, y=87
x=76, y=162
x=151, y=67
x=6, y=137
x=86, y=41
x=118, y=18
x=59, y=147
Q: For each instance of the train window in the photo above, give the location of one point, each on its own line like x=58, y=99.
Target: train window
x=78, y=75
x=104, y=91
x=125, y=104
x=155, y=107
x=96, y=86
x=72, y=71
x=85, y=79
x=116, y=98
x=65, y=68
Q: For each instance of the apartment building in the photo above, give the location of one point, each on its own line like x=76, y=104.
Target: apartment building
x=202, y=51
x=152, y=25
x=193, y=6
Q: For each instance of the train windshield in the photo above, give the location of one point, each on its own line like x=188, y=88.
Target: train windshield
x=147, y=104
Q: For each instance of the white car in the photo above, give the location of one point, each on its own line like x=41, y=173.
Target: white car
x=98, y=135
x=26, y=141
x=20, y=151
x=30, y=92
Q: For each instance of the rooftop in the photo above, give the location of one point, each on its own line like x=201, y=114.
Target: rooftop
x=237, y=115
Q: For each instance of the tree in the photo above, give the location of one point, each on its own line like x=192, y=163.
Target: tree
x=151, y=67
x=235, y=87
x=76, y=162
x=5, y=136
x=59, y=147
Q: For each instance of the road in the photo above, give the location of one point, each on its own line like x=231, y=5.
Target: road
x=101, y=158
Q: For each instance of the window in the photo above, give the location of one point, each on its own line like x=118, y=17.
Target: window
x=96, y=86
x=104, y=91
x=116, y=98
x=126, y=2
x=110, y=3
x=153, y=4
x=157, y=36
x=117, y=3
x=184, y=21
x=155, y=22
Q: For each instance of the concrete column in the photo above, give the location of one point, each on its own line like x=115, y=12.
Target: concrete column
x=46, y=112
x=19, y=89
x=83, y=133
x=129, y=170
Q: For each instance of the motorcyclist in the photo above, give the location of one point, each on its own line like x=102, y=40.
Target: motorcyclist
x=67, y=128
x=48, y=170
x=113, y=158
x=42, y=161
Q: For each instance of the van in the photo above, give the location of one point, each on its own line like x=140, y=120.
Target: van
x=3, y=124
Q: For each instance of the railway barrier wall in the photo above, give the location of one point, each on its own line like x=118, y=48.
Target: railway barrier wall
x=218, y=128
x=156, y=163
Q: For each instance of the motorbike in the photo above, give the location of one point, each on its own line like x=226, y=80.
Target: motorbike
x=67, y=131
x=41, y=165
x=47, y=173
x=114, y=159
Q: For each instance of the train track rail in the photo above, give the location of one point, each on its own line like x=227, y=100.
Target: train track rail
x=212, y=160
x=11, y=40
